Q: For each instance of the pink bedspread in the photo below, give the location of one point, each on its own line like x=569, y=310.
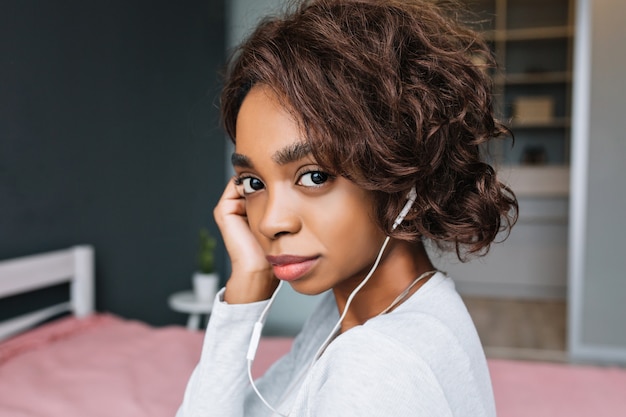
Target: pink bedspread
x=107, y=366
x=539, y=389
x=100, y=366
x=104, y=366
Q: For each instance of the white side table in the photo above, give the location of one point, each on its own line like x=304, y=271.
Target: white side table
x=186, y=302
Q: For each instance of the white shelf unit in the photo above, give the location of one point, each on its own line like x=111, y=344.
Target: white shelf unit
x=532, y=43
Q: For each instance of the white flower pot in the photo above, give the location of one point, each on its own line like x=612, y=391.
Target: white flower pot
x=205, y=286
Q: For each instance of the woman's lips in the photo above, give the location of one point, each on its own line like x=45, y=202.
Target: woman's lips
x=291, y=267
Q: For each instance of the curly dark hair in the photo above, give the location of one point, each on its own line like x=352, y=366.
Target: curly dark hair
x=389, y=94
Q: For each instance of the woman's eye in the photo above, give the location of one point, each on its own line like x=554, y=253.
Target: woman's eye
x=313, y=179
x=251, y=185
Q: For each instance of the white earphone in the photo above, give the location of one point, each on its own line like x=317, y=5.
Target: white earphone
x=258, y=326
x=411, y=196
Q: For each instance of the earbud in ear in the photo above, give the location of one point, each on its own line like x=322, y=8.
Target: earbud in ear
x=411, y=196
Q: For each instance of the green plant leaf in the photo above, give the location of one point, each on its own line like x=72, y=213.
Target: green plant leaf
x=206, y=252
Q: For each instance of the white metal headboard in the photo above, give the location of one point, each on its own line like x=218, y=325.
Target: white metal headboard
x=20, y=275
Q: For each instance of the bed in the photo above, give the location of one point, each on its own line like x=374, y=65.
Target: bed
x=100, y=365
x=85, y=363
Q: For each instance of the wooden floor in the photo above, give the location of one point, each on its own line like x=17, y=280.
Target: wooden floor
x=520, y=329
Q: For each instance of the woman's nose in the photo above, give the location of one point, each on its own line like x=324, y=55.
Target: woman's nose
x=280, y=216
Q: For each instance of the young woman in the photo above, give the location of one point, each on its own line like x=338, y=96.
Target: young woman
x=358, y=128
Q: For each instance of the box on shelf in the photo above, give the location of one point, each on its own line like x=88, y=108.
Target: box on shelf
x=533, y=109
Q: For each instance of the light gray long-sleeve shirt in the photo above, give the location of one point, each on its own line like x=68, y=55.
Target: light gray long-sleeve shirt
x=424, y=359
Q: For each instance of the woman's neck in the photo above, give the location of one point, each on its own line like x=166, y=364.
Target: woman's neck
x=401, y=264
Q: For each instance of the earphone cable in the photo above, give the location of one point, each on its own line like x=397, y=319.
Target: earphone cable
x=254, y=345
x=349, y=301
x=258, y=327
x=256, y=390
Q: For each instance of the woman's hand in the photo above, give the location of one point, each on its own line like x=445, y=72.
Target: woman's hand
x=252, y=278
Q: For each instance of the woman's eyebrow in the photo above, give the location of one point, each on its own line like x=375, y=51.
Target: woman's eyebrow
x=292, y=153
x=239, y=160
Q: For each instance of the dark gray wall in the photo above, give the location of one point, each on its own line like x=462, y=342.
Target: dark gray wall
x=109, y=136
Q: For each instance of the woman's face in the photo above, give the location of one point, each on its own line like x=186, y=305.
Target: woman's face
x=316, y=229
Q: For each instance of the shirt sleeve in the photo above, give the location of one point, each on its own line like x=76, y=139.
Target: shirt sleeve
x=219, y=383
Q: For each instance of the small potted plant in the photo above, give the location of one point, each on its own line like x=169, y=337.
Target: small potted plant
x=205, y=279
